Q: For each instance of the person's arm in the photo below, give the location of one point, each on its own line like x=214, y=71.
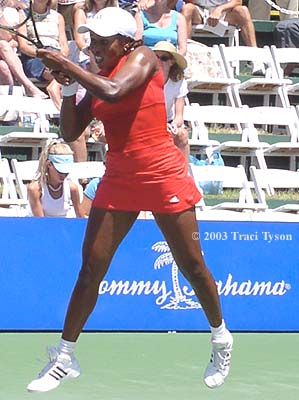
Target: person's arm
x=85, y=206
x=179, y=105
x=79, y=19
x=24, y=45
x=75, y=196
x=140, y=26
x=140, y=66
x=34, y=198
x=182, y=34
x=64, y=48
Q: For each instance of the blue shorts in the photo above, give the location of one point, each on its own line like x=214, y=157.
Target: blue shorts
x=33, y=67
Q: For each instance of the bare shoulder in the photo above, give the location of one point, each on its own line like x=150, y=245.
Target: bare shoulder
x=74, y=187
x=143, y=55
x=33, y=189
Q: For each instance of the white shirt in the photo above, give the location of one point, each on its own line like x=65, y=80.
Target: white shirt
x=172, y=91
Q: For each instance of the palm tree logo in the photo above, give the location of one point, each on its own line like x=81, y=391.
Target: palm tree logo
x=181, y=299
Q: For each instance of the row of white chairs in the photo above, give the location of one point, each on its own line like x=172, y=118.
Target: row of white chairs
x=252, y=194
x=227, y=62
x=245, y=121
x=13, y=181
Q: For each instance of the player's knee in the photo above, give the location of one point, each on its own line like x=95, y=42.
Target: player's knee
x=91, y=273
x=194, y=271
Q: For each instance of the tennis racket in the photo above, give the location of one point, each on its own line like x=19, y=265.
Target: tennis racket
x=13, y=29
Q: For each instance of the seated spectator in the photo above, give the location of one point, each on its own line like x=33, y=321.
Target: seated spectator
x=175, y=91
x=261, y=10
x=51, y=29
x=66, y=9
x=88, y=196
x=51, y=194
x=157, y=21
x=286, y=34
x=231, y=11
x=11, y=69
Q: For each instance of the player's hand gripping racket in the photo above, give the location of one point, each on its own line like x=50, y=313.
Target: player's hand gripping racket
x=13, y=29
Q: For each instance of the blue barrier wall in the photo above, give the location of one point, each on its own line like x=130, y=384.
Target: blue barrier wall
x=255, y=265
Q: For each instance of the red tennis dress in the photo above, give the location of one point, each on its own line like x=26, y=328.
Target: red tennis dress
x=144, y=169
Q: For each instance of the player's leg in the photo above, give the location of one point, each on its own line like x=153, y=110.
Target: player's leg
x=181, y=233
x=104, y=233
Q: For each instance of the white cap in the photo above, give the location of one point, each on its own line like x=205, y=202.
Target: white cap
x=111, y=21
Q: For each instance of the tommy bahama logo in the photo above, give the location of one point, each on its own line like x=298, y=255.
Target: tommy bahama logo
x=180, y=296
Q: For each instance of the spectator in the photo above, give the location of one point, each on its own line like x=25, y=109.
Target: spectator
x=51, y=29
x=88, y=195
x=66, y=9
x=231, y=11
x=51, y=194
x=157, y=21
x=286, y=33
x=11, y=68
x=175, y=91
x=261, y=10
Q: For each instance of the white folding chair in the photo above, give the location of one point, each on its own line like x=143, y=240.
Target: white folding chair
x=199, y=139
x=10, y=204
x=269, y=180
x=248, y=145
x=282, y=58
x=232, y=178
x=279, y=117
x=269, y=84
x=206, y=73
x=40, y=134
x=24, y=171
x=87, y=170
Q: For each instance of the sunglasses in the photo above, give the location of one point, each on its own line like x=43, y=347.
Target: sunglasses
x=164, y=58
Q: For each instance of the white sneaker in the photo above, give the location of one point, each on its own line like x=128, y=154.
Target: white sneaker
x=59, y=368
x=219, y=365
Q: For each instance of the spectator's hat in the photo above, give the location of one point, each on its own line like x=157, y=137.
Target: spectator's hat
x=62, y=162
x=170, y=48
x=111, y=21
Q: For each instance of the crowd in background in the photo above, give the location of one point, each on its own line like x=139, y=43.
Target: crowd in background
x=163, y=25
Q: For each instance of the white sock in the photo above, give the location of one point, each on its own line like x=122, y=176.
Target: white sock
x=219, y=332
x=66, y=347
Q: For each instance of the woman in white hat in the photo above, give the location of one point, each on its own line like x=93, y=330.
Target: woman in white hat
x=144, y=171
x=175, y=91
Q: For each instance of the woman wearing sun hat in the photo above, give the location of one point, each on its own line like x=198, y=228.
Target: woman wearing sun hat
x=51, y=194
x=175, y=91
x=145, y=171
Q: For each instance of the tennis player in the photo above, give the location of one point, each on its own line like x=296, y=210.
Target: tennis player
x=144, y=171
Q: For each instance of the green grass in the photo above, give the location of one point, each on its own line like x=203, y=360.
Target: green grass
x=278, y=199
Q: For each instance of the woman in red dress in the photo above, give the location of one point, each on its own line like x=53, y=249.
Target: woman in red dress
x=144, y=171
